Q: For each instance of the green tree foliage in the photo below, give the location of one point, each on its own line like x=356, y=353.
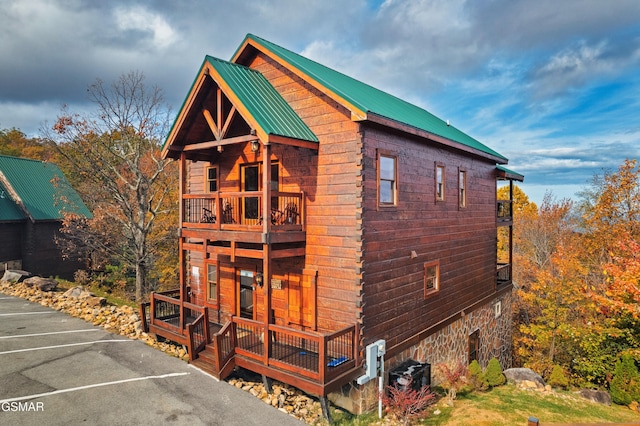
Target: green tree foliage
x=625, y=385
x=477, y=378
x=493, y=373
x=558, y=378
x=113, y=159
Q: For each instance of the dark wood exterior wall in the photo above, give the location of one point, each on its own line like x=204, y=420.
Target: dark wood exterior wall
x=35, y=245
x=463, y=240
x=10, y=237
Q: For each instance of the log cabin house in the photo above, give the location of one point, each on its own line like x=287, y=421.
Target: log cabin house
x=318, y=215
x=34, y=196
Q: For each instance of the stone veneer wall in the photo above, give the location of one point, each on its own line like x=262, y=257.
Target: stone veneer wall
x=449, y=344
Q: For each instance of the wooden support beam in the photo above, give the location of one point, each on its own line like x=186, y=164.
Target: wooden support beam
x=216, y=143
x=212, y=124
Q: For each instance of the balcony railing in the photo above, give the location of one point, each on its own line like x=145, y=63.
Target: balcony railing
x=504, y=272
x=504, y=212
x=242, y=210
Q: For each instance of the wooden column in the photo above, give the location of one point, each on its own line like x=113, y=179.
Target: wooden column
x=266, y=246
x=182, y=172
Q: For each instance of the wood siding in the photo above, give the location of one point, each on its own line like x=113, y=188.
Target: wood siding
x=358, y=265
x=328, y=180
x=463, y=240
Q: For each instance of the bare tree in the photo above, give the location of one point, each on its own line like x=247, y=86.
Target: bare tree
x=113, y=159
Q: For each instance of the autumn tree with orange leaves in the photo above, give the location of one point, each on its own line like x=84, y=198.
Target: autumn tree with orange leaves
x=577, y=281
x=113, y=160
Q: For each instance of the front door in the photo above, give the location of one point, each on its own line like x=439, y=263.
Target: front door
x=245, y=295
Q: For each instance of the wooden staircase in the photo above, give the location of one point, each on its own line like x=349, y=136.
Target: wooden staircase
x=206, y=361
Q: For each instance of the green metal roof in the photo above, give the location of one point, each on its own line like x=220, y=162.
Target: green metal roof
x=42, y=189
x=510, y=174
x=9, y=211
x=272, y=113
x=370, y=99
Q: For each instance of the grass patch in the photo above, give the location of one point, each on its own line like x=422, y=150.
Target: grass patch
x=506, y=406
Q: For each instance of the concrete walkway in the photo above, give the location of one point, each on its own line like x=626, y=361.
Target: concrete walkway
x=60, y=370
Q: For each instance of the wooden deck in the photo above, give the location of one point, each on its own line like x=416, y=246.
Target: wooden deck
x=313, y=362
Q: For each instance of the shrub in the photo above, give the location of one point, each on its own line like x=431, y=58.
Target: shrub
x=625, y=385
x=558, y=379
x=493, y=374
x=477, y=378
x=455, y=378
x=406, y=403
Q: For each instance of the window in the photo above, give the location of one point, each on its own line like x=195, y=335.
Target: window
x=212, y=282
x=212, y=179
x=440, y=182
x=462, y=188
x=474, y=345
x=431, y=277
x=387, y=181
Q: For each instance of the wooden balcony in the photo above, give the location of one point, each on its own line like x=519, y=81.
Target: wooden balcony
x=504, y=273
x=238, y=216
x=313, y=362
x=504, y=214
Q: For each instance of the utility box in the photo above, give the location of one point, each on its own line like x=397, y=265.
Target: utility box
x=410, y=372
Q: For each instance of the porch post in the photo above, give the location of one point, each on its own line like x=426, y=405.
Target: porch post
x=182, y=174
x=266, y=248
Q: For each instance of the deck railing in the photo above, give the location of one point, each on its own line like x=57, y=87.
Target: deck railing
x=504, y=213
x=242, y=210
x=320, y=357
x=198, y=333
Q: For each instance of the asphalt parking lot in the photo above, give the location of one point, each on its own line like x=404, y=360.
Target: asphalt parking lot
x=60, y=370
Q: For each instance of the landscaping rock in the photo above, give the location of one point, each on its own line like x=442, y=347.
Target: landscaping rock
x=600, y=397
x=14, y=275
x=524, y=377
x=42, y=284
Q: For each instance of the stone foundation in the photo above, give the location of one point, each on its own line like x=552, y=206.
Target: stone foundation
x=449, y=344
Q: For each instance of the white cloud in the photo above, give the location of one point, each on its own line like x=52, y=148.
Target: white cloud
x=138, y=18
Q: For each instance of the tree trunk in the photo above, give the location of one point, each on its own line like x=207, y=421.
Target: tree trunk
x=141, y=279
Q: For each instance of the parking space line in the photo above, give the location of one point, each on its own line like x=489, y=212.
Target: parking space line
x=50, y=333
x=26, y=313
x=63, y=346
x=96, y=385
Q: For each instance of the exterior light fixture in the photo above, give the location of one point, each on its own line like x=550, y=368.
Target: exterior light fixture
x=259, y=279
x=255, y=146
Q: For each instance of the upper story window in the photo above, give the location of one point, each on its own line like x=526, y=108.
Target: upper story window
x=387, y=180
x=431, y=277
x=462, y=188
x=212, y=179
x=440, y=180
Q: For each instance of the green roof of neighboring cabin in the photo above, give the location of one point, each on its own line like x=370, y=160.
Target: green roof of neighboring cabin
x=39, y=187
x=261, y=99
x=369, y=99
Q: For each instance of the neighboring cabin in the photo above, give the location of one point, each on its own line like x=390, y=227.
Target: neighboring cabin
x=33, y=198
x=318, y=215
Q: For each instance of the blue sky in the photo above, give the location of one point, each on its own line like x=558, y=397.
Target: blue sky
x=552, y=85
